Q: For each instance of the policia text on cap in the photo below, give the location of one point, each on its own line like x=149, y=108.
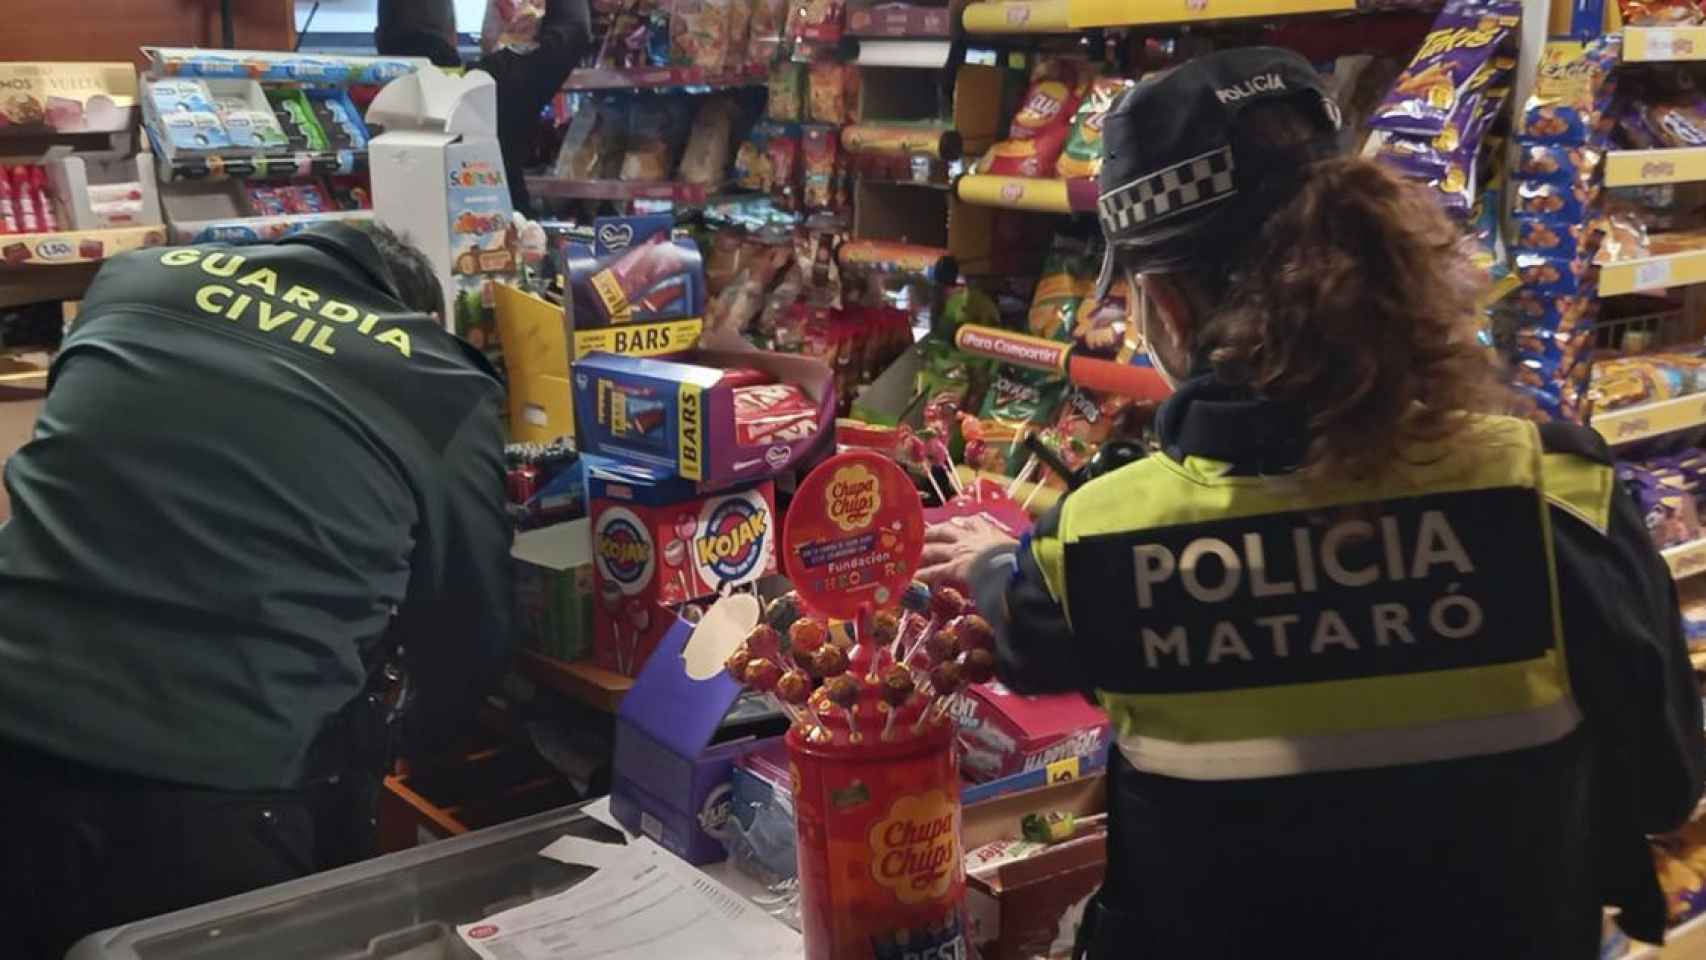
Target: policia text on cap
x=1390, y=675
x=259, y=471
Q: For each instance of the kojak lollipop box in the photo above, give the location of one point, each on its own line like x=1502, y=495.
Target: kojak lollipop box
x=658, y=541
x=707, y=415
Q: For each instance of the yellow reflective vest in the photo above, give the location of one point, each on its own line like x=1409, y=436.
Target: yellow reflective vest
x=1239, y=627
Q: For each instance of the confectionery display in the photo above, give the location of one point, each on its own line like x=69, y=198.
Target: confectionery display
x=800, y=280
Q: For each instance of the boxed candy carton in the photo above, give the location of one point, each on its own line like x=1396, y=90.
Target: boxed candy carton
x=712, y=416
x=658, y=541
x=1003, y=733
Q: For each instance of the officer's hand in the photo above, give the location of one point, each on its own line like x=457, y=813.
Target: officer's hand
x=952, y=545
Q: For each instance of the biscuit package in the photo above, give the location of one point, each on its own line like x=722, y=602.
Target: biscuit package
x=699, y=32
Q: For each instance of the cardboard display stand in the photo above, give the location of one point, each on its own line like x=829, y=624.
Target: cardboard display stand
x=438, y=179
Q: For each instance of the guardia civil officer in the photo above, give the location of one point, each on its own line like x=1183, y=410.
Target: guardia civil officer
x=1389, y=677
x=258, y=470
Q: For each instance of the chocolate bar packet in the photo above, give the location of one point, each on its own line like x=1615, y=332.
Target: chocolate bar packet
x=1455, y=59
x=656, y=280
x=1561, y=165
x=1572, y=93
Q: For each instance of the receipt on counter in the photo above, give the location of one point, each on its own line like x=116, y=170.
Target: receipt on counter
x=644, y=904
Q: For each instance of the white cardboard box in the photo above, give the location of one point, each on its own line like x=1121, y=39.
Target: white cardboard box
x=438, y=179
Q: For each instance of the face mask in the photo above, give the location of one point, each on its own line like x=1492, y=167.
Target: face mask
x=1140, y=306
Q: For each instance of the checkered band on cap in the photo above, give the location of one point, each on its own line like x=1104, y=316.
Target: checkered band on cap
x=1181, y=188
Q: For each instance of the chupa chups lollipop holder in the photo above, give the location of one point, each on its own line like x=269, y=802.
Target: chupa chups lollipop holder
x=876, y=801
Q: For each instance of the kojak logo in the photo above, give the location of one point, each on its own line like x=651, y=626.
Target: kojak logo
x=734, y=544
x=623, y=550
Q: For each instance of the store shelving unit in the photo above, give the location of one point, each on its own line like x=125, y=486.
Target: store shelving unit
x=1035, y=194
x=664, y=78
x=1065, y=16
x=1663, y=44
x=1650, y=274
x=594, y=686
x=1643, y=168
x=1649, y=420
x=688, y=194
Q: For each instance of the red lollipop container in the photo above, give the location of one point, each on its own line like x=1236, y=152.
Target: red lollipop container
x=882, y=873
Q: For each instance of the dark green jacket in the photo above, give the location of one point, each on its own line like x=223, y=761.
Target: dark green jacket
x=253, y=462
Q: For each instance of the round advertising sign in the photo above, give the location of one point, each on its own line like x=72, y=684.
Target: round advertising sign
x=853, y=534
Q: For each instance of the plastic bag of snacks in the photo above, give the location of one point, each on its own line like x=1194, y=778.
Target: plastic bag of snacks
x=1038, y=132
x=699, y=32
x=1453, y=62
x=1572, y=94
x=1103, y=328
x=1660, y=13
x=706, y=157
x=944, y=381
x=782, y=149
x=764, y=30
x=739, y=301
x=787, y=87
x=828, y=92
x=1022, y=399
x=815, y=21
x=657, y=126
x=593, y=143
x=752, y=159
x=1082, y=155
x=819, y=152
x=1068, y=276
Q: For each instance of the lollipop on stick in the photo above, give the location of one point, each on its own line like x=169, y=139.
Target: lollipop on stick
x=793, y=689
x=843, y=691
x=640, y=618
x=945, y=681
x=675, y=557
x=938, y=451
x=611, y=596
x=898, y=686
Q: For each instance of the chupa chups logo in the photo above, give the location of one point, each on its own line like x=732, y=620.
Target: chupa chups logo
x=716, y=814
x=915, y=849
x=852, y=498
x=734, y=542
x=623, y=550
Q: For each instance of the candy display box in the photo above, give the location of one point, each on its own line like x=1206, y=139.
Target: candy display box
x=659, y=541
x=680, y=415
x=673, y=757
x=438, y=179
x=1003, y=733
x=553, y=589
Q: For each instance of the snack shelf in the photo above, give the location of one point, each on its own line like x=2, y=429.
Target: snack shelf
x=316, y=68
x=1662, y=272
x=1036, y=194
x=1650, y=44
x=75, y=246
x=1651, y=419
x=258, y=229
x=566, y=189
x=596, y=687
x=1638, y=168
x=264, y=166
x=1017, y=16
x=664, y=78
x=1065, y=16
x=1686, y=559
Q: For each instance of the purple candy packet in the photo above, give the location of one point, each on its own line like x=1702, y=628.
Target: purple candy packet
x=1456, y=58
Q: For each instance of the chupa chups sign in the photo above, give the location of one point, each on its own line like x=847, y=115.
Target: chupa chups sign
x=854, y=534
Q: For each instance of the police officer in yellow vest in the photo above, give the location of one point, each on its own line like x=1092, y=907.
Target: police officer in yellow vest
x=1389, y=676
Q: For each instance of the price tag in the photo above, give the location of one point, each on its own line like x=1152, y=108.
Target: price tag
x=1063, y=770
x=1661, y=44
x=1654, y=273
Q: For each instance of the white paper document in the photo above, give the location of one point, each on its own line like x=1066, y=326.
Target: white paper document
x=588, y=853
x=644, y=905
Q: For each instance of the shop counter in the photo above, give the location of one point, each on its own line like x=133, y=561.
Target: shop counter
x=404, y=906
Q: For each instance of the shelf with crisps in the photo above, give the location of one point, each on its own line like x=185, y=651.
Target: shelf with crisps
x=662, y=150
x=1053, y=151
x=271, y=66
x=689, y=78
x=1061, y=16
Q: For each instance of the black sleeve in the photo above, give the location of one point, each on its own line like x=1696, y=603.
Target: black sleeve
x=1628, y=658
x=457, y=623
x=1035, y=650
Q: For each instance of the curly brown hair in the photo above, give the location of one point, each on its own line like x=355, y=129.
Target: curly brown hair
x=1356, y=302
